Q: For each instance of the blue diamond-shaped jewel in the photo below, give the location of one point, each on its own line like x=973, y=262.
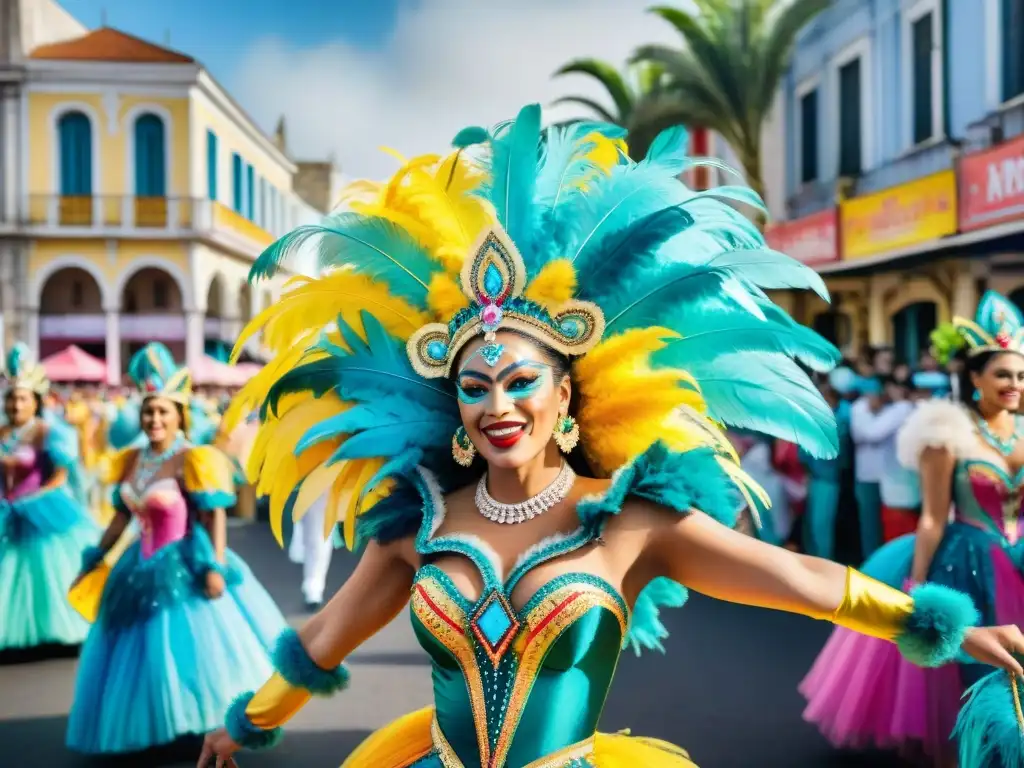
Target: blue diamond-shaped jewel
x=437, y=350
x=494, y=622
x=494, y=625
x=492, y=281
x=491, y=353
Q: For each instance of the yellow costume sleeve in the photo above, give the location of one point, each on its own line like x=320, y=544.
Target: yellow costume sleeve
x=209, y=478
x=255, y=719
x=115, y=464
x=929, y=624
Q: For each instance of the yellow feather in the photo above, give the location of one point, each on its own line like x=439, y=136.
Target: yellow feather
x=554, y=285
x=254, y=392
x=367, y=468
x=313, y=487
x=445, y=297
x=606, y=152
x=747, y=487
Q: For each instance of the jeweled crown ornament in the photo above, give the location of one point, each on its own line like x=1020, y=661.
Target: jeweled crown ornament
x=494, y=279
x=998, y=326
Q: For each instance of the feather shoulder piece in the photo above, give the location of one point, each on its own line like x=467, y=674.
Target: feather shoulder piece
x=936, y=424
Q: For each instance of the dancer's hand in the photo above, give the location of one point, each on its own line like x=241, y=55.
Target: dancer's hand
x=214, y=585
x=220, y=747
x=996, y=646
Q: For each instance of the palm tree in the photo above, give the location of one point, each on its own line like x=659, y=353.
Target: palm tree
x=726, y=75
x=640, y=91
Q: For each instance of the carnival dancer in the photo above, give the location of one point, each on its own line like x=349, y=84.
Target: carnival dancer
x=970, y=455
x=489, y=383
x=42, y=528
x=183, y=625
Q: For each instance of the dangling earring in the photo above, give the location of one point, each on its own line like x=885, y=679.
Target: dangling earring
x=463, y=450
x=566, y=434
x=976, y=397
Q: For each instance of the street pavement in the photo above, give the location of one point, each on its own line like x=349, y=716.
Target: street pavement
x=725, y=690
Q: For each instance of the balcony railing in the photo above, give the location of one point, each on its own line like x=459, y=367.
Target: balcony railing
x=143, y=217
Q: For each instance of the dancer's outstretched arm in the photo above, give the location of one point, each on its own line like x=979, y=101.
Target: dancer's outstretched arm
x=309, y=662
x=931, y=625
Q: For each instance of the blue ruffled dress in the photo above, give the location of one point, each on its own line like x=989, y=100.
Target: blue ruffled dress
x=42, y=534
x=162, y=660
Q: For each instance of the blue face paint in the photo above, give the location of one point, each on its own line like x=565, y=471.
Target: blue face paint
x=474, y=386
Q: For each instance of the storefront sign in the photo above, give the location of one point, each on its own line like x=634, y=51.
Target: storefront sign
x=992, y=186
x=899, y=217
x=811, y=239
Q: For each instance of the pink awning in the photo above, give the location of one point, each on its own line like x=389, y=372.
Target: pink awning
x=74, y=364
x=213, y=372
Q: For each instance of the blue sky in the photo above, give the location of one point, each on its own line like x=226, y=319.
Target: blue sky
x=352, y=75
x=218, y=32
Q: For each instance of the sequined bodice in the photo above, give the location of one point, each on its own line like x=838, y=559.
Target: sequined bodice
x=27, y=473
x=162, y=512
x=512, y=687
x=988, y=496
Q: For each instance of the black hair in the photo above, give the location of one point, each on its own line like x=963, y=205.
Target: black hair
x=973, y=365
x=561, y=366
x=35, y=396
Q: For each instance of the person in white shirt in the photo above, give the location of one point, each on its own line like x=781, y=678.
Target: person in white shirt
x=874, y=421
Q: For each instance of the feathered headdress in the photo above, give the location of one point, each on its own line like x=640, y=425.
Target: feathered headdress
x=23, y=372
x=656, y=292
x=997, y=326
x=155, y=373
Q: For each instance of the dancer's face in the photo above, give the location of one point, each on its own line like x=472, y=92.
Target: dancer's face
x=509, y=409
x=1001, y=381
x=160, y=419
x=20, y=406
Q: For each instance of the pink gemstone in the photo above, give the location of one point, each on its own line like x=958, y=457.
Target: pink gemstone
x=491, y=314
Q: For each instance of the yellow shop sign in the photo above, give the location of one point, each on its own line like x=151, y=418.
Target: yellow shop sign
x=898, y=217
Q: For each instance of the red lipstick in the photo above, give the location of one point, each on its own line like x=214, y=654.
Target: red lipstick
x=510, y=432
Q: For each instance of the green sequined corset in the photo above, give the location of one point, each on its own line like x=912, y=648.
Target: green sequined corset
x=512, y=687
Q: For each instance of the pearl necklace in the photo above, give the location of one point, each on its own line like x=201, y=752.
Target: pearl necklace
x=497, y=512
x=150, y=463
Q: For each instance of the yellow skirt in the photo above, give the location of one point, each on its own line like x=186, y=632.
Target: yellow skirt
x=409, y=740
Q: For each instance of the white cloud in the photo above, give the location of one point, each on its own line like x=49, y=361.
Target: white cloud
x=448, y=64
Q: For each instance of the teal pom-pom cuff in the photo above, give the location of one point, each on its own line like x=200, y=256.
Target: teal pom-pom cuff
x=91, y=557
x=243, y=732
x=293, y=664
x=936, y=628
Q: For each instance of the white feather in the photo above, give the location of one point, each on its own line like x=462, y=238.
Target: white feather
x=936, y=424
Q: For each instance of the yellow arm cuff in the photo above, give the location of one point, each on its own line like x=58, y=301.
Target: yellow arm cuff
x=276, y=703
x=872, y=608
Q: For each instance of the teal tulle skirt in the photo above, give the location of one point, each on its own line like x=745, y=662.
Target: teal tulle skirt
x=42, y=536
x=162, y=660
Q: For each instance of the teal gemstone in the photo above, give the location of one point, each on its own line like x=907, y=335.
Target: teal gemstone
x=571, y=327
x=492, y=281
x=494, y=622
x=437, y=350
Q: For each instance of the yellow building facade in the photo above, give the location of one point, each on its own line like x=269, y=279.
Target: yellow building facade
x=145, y=193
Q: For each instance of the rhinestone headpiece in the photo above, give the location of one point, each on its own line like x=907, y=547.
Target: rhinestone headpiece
x=998, y=326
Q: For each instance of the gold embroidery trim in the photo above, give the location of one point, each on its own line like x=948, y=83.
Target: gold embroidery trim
x=581, y=750
x=546, y=622
x=458, y=644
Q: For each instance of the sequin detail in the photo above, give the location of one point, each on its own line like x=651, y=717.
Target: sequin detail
x=445, y=619
x=579, y=755
x=546, y=619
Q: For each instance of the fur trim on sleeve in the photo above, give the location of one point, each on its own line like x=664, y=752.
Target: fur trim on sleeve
x=935, y=424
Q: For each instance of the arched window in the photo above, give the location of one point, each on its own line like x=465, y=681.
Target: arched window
x=911, y=328
x=150, y=158
x=75, y=137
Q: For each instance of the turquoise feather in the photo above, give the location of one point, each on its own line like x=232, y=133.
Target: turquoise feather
x=18, y=358
x=646, y=631
x=514, y=172
x=469, y=136
x=153, y=364
x=765, y=393
x=987, y=732
x=668, y=150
